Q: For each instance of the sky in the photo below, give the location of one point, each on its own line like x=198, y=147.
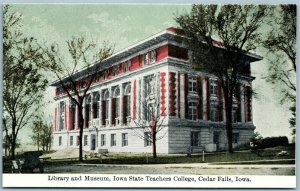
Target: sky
x=125, y=24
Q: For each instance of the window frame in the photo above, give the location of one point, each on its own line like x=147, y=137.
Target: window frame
x=113, y=141
x=192, y=84
x=103, y=140
x=195, y=138
x=192, y=110
x=85, y=140
x=71, y=140
x=147, y=139
x=60, y=141
x=124, y=139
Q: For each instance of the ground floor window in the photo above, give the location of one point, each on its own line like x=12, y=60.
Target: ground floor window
x=124, y=139
x=192, y=110
x=103, y=139
x=59, y=140
x=147, y=137
x=71, y=140
x=78, y=141
x=195, y=138
x=235, y=137
x=113, y=140
x=85, y=140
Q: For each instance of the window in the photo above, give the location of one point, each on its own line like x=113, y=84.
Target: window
x=192, y=111
x=116, y=106
x=78, y=141
x=235, y=137
x=195, y=138
x=213, y=112
x=127, y=102
x=145, y=59
x=147, y=139
x=149, y=85
x=71, y=140
x=213, y=88
x=113, y=140
x=152, y=56
x=87, y=117
x=73, y=113
x=124, y=139
x=103, y=141
x=96, y=105
x=126, y=66
x=85, y=140
x=61, y=115
x=192, y=84
x=59, y=140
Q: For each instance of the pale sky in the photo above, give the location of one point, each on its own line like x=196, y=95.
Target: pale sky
x=123, y=25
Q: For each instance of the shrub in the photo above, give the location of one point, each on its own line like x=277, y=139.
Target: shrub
x=272, y=142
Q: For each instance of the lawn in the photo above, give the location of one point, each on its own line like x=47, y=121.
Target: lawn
x=216, y=158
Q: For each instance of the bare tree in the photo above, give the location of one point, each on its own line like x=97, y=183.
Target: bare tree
x=237, y=28
x=150, y=120
x=76, y=84
x=24, y=82
x=281, y=44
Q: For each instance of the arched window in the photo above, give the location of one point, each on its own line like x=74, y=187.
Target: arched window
x=105, y=107
x=127, y=104
x=96, y=105
x=72, y=115
x=116, y=106
x=87, y=117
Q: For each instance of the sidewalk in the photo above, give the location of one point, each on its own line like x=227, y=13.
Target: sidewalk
x=200, y=165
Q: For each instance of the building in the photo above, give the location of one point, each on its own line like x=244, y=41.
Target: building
x=191, y=102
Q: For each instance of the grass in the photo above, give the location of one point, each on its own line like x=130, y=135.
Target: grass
x=238, y=157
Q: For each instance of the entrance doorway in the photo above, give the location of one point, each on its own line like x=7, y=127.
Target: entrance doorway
x=93, y=142
x=216, y=140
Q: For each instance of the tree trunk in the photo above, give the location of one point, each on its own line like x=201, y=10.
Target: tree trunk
x=81, y=123
x=154, y=156
x=228, y=112
x=13, y=140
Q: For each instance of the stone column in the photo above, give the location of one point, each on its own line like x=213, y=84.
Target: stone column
x=100, y=108
x=110, y=106
x=121, y=104
x=242, y=90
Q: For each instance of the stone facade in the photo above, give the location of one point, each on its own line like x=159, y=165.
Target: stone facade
x=191, y=105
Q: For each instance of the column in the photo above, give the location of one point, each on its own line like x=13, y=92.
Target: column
x=100, y=108
x=110, y=106
x=121, y=104
x=243, y=91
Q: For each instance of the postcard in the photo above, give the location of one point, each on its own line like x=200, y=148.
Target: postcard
x=149, y=95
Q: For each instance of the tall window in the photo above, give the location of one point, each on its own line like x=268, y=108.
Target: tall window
x=60, y=140
x=77, y=141
x=85, y=140
x=87, y=118
x=113, y=140
x=116, y=106
x=127, y=104
x=213, y=88
x=192, y=112
x=147, y=139
x=105, y=108
x=195, y=138
x=71, y=140
x=96, y=105
x=103, y=139
x=149, y=85
x=124, y=139
x=192, y=84
x=73, y=108
x=61, y=115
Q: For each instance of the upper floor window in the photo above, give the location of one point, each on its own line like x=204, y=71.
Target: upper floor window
x=150, y=85
x=213, y=87
x=149, y=57
x=126, y=66
x=192, y=84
